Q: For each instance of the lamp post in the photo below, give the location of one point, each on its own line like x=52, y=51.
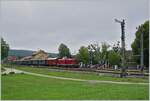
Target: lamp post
x=123, y=69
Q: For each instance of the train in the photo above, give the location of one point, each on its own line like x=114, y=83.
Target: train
x=60, y=62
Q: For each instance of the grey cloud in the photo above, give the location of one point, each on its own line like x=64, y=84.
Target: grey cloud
x=45, y=24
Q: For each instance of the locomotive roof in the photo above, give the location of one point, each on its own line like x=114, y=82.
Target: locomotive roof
x=51, y=58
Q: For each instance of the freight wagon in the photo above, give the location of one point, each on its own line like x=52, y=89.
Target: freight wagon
x=65, y=62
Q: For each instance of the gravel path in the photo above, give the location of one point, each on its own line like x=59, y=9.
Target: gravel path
x=72, y=79
x=8, y=70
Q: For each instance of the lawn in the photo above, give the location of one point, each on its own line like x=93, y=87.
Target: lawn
x=81, y=75
x=23, y=86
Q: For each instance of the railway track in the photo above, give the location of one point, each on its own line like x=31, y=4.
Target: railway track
x=130, y=73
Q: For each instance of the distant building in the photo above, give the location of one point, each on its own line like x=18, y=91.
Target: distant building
x=38, y=55
x=11, y=58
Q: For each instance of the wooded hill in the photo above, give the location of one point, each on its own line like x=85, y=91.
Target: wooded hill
x=23, y=53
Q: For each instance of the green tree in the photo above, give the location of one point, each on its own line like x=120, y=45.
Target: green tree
x=4, y=49
x=83, y=55
x=104, y=51
x=95, y=53
x=144, y=28
x=64, y=51
x=98, y=53
x=114, y=58
x=116, y=47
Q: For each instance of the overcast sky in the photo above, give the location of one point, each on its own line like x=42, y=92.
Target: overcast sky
x=46, y=24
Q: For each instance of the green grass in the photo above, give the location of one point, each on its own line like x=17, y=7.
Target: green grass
x=23, y=87
x=81, y=75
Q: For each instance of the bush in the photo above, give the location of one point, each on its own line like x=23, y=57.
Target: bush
x=4, y=74
x=2, y=69
x=22, y=73
x=11, y=72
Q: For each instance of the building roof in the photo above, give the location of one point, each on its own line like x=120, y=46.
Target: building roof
x=26, y=58
x=38, y=55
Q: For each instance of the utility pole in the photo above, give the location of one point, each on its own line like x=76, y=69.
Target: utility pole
x=142, y=48
x=90, y=51
x=142, y=55
x=90, y=58
x=123, y=69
